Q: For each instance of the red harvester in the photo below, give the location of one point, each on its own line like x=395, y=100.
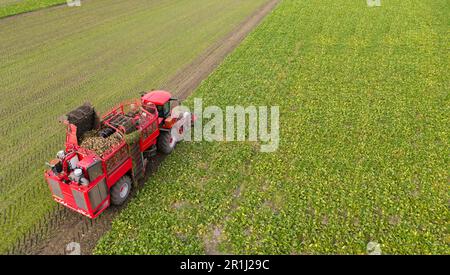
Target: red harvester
x=87, y=181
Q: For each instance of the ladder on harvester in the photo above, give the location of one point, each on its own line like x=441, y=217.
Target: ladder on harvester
x=138, y=161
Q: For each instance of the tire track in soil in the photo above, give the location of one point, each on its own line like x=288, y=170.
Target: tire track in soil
x=77, y=228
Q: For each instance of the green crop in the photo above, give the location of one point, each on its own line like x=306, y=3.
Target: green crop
x=364, y=101
x=12, y=7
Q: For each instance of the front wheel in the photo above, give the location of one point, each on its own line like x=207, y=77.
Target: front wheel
x=121, y=190
x=166, y=142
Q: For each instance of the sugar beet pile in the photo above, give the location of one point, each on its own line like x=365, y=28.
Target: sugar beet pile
x=92, y=141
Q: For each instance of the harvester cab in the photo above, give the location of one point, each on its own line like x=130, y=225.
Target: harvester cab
x=162, y=100
x=165, y=104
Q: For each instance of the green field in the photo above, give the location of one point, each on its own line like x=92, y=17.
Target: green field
x=364, y=101
x=53, y=60
x=12, y=7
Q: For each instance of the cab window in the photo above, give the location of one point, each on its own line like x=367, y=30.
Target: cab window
x=164, y=110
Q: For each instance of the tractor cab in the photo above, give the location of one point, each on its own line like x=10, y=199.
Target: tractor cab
x=162, y=100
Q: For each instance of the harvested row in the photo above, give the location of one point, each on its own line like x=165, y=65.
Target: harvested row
x=53, y=60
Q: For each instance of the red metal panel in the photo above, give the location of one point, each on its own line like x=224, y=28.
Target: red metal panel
x=150, y=140
x=71, y=136
x=119, y=172
x=74, y=208
x=68, y=199
x=157, y=97
x=68, y=196
x=117, y=156
x=102, y=207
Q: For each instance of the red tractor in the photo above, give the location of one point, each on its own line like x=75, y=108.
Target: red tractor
x=87, y=179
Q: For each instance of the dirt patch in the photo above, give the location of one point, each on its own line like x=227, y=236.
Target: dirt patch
x=272, y=206
x=394, y=220
x=179, y=205
x=236, y=195
x=212, y=241
x=203, y=165
x=76, y=228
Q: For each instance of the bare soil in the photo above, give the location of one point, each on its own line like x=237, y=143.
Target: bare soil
x=80, y=229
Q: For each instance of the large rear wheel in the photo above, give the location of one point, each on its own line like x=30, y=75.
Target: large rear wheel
x=166, y=142
x=121, y=190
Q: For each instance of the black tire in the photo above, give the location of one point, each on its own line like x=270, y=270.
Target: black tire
x=166, y=143
x=121, y=190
